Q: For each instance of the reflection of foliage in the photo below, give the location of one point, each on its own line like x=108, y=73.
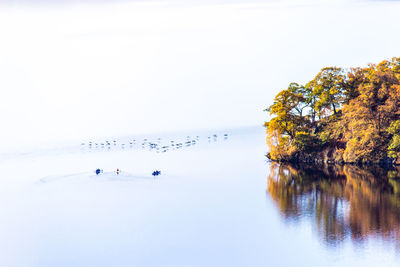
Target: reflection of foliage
x=342, y=200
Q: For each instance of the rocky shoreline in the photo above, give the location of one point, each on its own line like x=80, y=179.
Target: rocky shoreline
x=332, y=156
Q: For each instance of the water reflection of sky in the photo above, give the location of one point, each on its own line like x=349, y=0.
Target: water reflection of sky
x=208, y=208
x=341, y=202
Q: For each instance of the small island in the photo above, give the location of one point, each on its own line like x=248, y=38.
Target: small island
x=343, y=116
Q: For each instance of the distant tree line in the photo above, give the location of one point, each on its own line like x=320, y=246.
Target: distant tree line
x=354, y=113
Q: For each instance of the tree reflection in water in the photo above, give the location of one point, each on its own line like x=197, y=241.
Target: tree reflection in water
x=342, y=201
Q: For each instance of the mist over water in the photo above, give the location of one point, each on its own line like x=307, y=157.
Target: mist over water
x=137, y=86
x=89, y=69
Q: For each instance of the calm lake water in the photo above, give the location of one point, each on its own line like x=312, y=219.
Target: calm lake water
x=217, y=202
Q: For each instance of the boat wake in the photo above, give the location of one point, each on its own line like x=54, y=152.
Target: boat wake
x=105, y=176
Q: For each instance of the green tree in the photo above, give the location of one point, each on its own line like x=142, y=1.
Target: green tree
x=328, y=87
x=288, y=109
x=394, y=145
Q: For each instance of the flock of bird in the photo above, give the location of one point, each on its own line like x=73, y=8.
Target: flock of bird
x=157, y=145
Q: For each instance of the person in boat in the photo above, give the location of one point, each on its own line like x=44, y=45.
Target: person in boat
x=156, y=173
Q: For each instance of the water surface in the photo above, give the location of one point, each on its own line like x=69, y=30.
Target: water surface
x=217, y=203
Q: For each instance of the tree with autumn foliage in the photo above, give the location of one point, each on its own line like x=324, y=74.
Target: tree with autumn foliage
x=352, y=114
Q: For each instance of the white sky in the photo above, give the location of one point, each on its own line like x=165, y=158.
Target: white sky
x=71, y=71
